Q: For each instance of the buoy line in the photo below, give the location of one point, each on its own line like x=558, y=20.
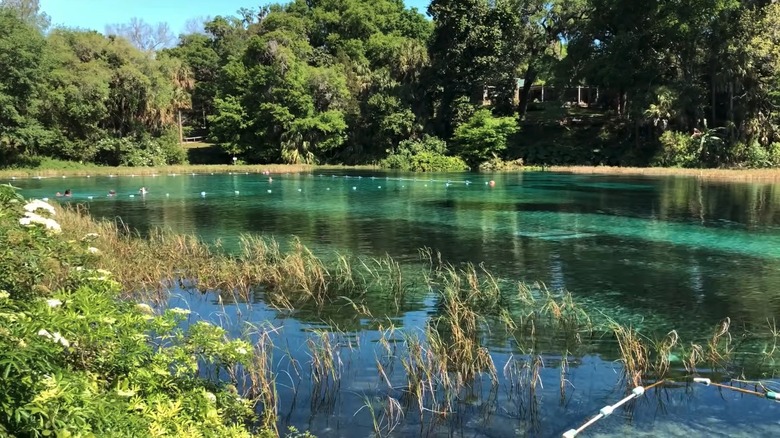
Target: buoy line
x=640, y=390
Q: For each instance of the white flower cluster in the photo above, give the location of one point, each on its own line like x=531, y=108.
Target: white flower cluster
x=54, y=303
x=31, y=219
x=37, y=204
x=56, y=337
x=180, y=311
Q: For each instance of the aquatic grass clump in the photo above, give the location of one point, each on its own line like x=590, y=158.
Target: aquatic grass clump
x=469, y=286
x=389, y=417
x=664, y=351
x=389, y=277
x=645, y=358
x=565, y=314
x=150, y=266
x=633, y=352
x=262, y=377
x=326, y=367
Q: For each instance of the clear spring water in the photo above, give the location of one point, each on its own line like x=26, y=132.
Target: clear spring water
x=659, y=253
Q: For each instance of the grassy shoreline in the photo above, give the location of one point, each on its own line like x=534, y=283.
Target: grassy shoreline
x=735, y=175
x=164, y=170
x=727, y=175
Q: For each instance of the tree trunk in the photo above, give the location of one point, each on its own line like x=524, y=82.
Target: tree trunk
x=731, y=111
x=181, y=130
x=713, y=102
x=525, y=94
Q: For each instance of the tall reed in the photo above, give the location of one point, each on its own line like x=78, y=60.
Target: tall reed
x=634, y=354
x=151, y=265
x=262, y=377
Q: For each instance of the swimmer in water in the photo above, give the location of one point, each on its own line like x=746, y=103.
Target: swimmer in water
x=112, y=193
x=143, y=191
x=67, y=193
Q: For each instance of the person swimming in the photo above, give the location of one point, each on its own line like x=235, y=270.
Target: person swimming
x=143, y=191
x=112, y=192
x=67, y=193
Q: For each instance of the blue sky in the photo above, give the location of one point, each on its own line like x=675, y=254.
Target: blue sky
x=95, y=14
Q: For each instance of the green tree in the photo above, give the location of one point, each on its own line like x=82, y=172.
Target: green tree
x=22, y=71
x=544, y=26
x=28, y=11
x=464, y=52
x=483, y=136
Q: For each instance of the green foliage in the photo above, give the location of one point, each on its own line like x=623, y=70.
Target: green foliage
x=34, y=259
x=315, y=83
x=22, y=71
x=140, y=152
x=756, y=156
x=483, y=136
x=426, y=155
x=677, y=149
x=68, y=91
x=348, y=80
x=75, y=360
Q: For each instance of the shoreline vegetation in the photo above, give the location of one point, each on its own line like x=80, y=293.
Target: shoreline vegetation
x=161, y=170
x=731, y=175
x=445, y=89
x=85, y=306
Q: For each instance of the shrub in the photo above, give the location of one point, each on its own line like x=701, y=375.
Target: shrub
x=77, y=361
x=677, y=149
x=172, y=151
x=483, y=136
x=141, y=152
x=757, y=156
x=426, y=155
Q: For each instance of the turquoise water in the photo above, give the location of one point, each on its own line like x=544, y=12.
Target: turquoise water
x=660, y=253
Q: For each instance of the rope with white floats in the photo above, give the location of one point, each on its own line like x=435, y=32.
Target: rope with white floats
x=771, y=395
x=606, y=411
x=639, y=390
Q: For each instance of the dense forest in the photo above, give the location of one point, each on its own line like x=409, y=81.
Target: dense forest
x=468, y=83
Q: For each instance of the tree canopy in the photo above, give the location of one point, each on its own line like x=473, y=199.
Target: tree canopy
x=691, y=82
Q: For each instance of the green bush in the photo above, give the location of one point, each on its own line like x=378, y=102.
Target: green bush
x=483, y=136
x=77, y=361
x=757, y=156
x=142, y=152
x=677, y=149
x=33, y=259
x=426, y=155
x=173, y=152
